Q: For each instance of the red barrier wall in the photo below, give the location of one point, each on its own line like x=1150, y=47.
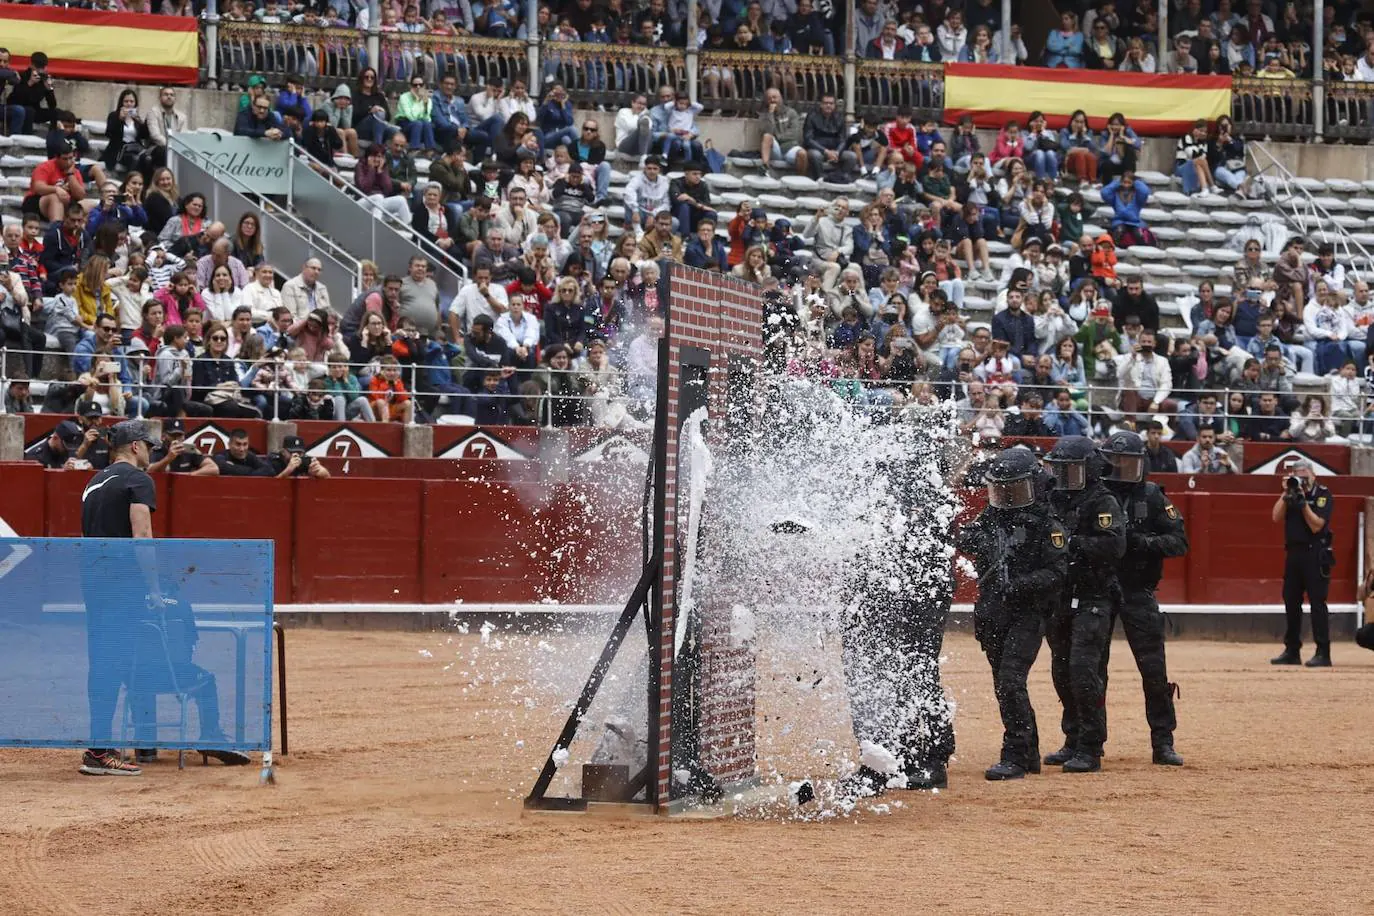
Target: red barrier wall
x=371, y=539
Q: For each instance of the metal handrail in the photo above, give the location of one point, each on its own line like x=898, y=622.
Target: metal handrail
x=1301, y=210
x=350, y=190
x=293, y=222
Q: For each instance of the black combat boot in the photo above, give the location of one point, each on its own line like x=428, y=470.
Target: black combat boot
x=1289, y=657
x=924, y=779
x=1059, y=757
x=1166, y=756
x=1082, y=762
x=1322, y=659
x=1004, y=770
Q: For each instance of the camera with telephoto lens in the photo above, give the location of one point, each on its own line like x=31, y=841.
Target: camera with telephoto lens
x=1292, y=490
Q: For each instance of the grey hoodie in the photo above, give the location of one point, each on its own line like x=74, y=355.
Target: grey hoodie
x=339, y=118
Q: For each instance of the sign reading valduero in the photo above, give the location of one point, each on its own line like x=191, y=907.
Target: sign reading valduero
x=258, y=165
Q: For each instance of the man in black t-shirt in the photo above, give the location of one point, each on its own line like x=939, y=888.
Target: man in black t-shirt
x=179, y=456
x=241, y=461
x=118, y=503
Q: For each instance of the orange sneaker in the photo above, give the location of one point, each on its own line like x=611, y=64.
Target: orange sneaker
x=107, y=764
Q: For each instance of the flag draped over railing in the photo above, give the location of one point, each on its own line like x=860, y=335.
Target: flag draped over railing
x=1153, y=103
x=123, y=47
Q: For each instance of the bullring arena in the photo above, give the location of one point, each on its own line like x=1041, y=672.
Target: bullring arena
x=785, y=291
x=405, y=795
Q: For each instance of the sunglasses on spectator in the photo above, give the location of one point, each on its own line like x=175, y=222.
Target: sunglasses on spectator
x=219, y=337
x=590, y=128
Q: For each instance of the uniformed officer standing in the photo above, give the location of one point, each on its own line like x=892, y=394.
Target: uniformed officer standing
x=1079, y=627
x=1305, y=510
x=1020, y=553
x=1154, y=530
x=891, y=637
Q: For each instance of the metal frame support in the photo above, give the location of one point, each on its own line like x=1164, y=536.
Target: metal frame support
x=1318, y=81
x=374, y=36
x=212, y=43
x=1162, y=38
x=851, y=70
x=532, y=38
x=1008, y=50
x=693, y=51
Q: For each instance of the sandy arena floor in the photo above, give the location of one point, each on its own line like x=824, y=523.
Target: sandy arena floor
x=401, y=796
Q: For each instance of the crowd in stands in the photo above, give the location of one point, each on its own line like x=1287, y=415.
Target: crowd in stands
x=159, y=308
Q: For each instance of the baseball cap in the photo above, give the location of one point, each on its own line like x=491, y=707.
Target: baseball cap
x=491, y=165
x=131, y=431
x=68, y=433
x=293, y=444
x=758, y=213
x=173, y=427
x=91, y=409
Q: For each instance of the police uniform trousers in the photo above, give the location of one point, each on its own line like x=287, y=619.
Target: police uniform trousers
x=1143, y=623
x=1305, y=572
x=1010, y=638
x=1077, y=638
x=891, y=654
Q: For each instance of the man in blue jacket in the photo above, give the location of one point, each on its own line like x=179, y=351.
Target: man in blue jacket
x=556, y=118
x=258, y=121
x=450, y=113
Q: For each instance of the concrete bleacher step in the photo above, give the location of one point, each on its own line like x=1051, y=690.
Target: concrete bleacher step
x=1155, y=179
x=1206, y=235
x=723, y=182
x=761, y=183
x=1343, y=186
x=1154, y=216
x=800, y=184
x=1169, y=199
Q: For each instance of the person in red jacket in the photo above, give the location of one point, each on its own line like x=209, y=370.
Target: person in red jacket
x=390, y=400
x=901, y=138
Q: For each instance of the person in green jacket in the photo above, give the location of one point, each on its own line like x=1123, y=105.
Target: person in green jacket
x=342, y=385
x=414, y=115
x=1100, y=329
x=450, y=172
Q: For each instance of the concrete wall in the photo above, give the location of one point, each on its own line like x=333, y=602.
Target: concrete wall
x=218, y=108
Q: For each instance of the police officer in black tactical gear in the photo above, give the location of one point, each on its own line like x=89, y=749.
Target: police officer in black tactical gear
x=1081, y=624
x=890, y=644
x=1020, y=552
x=1154, y=530
x=1305, y=510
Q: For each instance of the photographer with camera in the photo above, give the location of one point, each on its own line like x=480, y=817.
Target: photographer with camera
x=1304, y=507
x=179, y=456
x=292, y=461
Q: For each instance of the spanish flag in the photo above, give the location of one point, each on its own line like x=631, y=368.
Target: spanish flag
x=1153, y=103
x=121, y=47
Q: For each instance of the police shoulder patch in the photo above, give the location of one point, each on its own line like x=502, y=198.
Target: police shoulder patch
x=1321, y=502
x=1170, y=511
x=1057, y=539
x=1104, y=520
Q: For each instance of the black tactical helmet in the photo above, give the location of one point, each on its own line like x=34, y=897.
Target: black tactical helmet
x=1073, y=462
x=1124, y=453
x=1011, y=478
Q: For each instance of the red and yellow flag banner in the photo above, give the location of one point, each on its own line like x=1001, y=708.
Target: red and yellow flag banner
x=120, y=47
x=1153, y=103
